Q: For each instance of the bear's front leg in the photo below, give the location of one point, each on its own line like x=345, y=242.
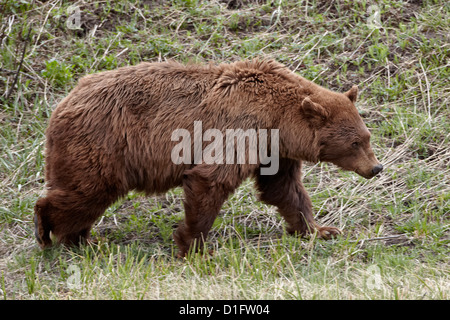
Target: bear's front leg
x=204, y=197
x=286, y=191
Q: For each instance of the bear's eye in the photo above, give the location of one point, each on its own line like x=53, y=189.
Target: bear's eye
x=355, y=144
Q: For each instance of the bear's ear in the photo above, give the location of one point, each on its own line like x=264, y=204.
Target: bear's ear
x=313, y=111
x=352, y=94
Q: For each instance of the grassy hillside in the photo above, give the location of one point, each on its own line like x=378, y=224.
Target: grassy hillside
x=396, y=236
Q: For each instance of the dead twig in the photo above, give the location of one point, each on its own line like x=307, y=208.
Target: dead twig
x=16, y=77
x=380, y=238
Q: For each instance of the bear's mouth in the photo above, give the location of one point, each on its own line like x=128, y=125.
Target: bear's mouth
x=369, y=175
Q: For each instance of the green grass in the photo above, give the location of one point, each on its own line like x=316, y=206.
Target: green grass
x=396, y=227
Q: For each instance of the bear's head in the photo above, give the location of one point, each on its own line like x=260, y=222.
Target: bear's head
x=341, y=137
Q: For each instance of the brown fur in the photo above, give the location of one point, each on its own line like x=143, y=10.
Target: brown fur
x=112, y=134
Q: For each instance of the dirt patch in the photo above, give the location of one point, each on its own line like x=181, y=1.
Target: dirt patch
x=238, y=4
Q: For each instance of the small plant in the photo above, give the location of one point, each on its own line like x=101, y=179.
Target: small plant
x=57, y=72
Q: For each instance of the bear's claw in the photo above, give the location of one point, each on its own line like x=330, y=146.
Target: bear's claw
x=328, y=232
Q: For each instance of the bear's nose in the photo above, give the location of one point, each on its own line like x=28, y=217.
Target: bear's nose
x=377, y=169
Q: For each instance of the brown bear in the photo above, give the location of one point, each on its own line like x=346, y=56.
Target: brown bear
x=116, y=132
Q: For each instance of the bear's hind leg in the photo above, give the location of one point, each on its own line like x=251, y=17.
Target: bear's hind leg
x=68, y=216
x=42, y=226
x=76, y=238
x=203, y=200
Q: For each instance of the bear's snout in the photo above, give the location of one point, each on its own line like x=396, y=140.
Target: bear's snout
x=369, y=171
x=377, y=169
